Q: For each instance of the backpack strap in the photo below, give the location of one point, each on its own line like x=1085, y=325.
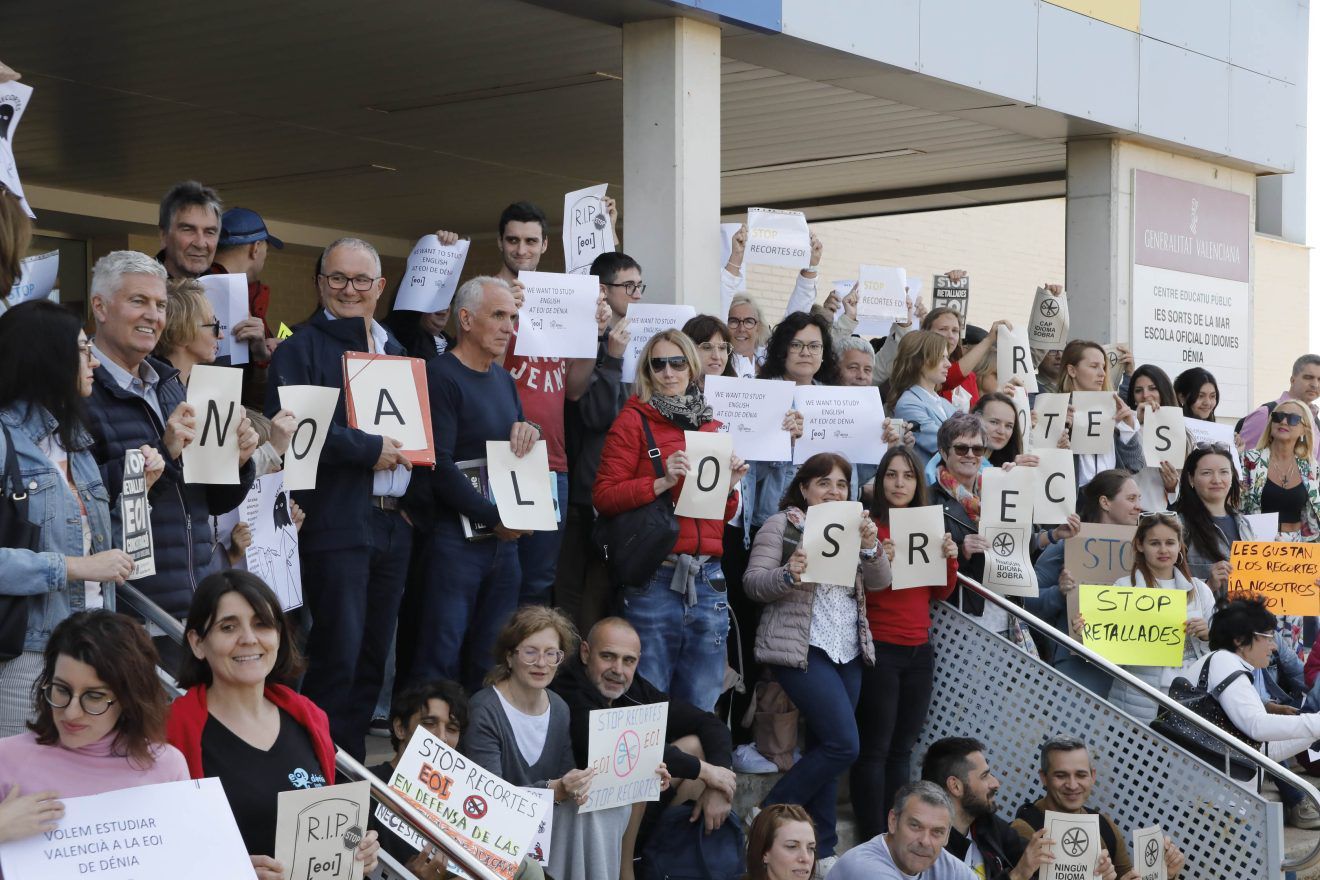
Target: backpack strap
x=17, y=494
x=652, y=448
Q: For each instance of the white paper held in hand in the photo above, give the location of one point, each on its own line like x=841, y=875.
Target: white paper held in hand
x=431, y=276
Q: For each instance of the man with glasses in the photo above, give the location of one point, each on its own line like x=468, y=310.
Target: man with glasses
x=355, y=541
x=1304, y=386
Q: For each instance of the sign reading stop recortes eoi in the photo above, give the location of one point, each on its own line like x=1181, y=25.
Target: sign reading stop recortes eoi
x=1191, y=282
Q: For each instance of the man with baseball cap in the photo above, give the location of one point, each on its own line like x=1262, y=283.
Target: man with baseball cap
x=242, y=250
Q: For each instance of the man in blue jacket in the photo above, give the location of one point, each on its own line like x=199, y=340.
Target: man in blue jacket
x=355, y=541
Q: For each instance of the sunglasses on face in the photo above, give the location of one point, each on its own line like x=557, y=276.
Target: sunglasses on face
x=678, y=363
x=214, y=325
x=1285, y=418
x=966, y=449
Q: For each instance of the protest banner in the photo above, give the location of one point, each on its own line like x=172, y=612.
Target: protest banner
x=1051, y=420
x=216, y=397
x=314, y=408
x=151, y=832
x=1135, y=626
x=1264, y=526
x=1093, y=422
x=1214, y=434
x=950, y=294
x=777, y=238
x=558, y=315
x=587, y=232
x=882, y=293
x=706, y=487
x=625, y=747
x=488, y=817
x=1151, y=483
x=1013, y=358
x=317, y=831
x=37, y=279
x=1022, y=415
x=1113, y=364
x=135, y=516
x=1007, y=499
x=849, y=421
x=832, y=541
x=539, y=849
x=918, y=536
x=14, y=96
x=1098, y=554
x=387, y=397
x=752, y=411
x=430, y=278
x=1148, y=853
x=1047, y=326
x=522, y=486
x=228, y=295
x=644, y=321
x=1077, y=846
x=1163, y=436
x=1282, y=572
x=1056, y=486
x=273, y=553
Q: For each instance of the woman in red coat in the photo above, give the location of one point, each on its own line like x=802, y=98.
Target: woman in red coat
x=682, y=612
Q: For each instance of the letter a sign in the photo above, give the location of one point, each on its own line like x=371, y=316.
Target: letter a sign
x=215, y=394
x=387, y=397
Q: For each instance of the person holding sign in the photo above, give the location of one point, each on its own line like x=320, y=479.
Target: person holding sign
x=962, y=361
x=1281, y=475
x=896, y=691
x=1003, y=433
x=425, y=335
x=46, y=367
x=714, y=342
x=816, y=638
x=1197, y=393
x=1208, y=501
x=1151, y=389
x=241, y=722
x=920, y=369
x=750, y=335
x=1159, y=561
x=99, y=724
x=1085, y=369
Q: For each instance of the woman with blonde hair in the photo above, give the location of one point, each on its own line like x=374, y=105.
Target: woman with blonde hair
x=920, y=368
x=1280, y=474
x=192, y=332
x=750, y=334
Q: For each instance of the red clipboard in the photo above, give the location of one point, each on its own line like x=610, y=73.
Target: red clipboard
x=401, y=399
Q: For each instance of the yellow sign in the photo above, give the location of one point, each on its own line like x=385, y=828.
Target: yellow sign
x=1282, y=572
x=1134, y=626
x=284, y=332
x=1122, y=13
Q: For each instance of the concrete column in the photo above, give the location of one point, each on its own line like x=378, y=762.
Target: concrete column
x=671, y=158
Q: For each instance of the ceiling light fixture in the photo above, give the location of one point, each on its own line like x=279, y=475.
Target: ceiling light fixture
x=816, y=163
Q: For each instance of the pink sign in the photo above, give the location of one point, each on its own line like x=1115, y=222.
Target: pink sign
x=1190, y=227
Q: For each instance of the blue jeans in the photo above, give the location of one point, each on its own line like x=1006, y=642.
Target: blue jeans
x=471, y=590
x=353, y=597
x=538, y=554
x=825, y=694
x=683, y=649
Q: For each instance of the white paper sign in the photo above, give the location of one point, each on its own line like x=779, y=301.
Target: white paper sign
x=37, y=279
x=625, y=747
x=587, y=232
x=849, y=421
x=706, y=487
x=918, y=536
x=1051, y=420
x=832, y=541
x=777, y=238
x=882, y=293
x=488, y=817
x=752, y=411
x=558, y=316
x=1007, y=500
x=216, y=397
x=431, y=276
x=317, y=831
x=135, y=517
x=644, y=321
x=1048, y=325
x=174, y=829
x=313, y=406
x=521, y=486
x=539, y=849
x=1093, y=422
x=390, y=402
x=1056, y=486
x=1022, y=415
x=1077, y=845
x=228, y=295
x=273, y=553
x=14, y=98
x=1148, y=853
x=1151, y=484
x=1214, y=433
x=1013, y=358
x=1164, y=436
x=1265, y=526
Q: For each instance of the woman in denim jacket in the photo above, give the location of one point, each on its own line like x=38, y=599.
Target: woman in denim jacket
x=45, y=371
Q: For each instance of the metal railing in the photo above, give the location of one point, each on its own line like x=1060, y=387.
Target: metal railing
x=1247, y=753
x=345, y=763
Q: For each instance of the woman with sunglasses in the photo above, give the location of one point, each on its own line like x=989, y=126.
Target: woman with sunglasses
x=714, y=344
x=1208, y=501
x=100, y=724
x=1281, y=475
x=681, y=612
x=1085, y=368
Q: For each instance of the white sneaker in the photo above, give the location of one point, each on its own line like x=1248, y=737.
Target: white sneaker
x=746, y=759
x=823, y=867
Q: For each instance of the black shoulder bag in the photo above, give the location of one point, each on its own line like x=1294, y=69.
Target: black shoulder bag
x=1201, y=701
x=635, y=542
x=16, y=532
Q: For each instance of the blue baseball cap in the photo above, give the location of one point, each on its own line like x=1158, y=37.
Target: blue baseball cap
x=244, y=226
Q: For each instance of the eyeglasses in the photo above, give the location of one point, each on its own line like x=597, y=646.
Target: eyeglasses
x=551, y=656
x=797, y=345
x=632, y=288
x=967, y=449
x=338, y=281
x=721, y=347
x=1221, y=448
x=1290, y=418
x=678, y=363
x=749, y=323
x=1148, y=514
x=92, y=702
x=1261, y=635
x=85, y=349
x=214, y=325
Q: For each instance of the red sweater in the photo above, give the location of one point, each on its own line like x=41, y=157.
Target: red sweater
x=626, y=479
x=956, y=378
x=902, y=617
x=188, y=718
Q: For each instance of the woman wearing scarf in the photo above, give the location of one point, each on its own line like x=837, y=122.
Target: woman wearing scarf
x=682, y=612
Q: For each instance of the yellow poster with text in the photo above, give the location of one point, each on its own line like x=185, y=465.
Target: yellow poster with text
x=1134, y=626
x=1123, y=13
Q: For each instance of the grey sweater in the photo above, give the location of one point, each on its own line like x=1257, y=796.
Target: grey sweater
x=490, y=742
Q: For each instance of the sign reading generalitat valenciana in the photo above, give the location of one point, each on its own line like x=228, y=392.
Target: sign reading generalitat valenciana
x=1191, y=282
